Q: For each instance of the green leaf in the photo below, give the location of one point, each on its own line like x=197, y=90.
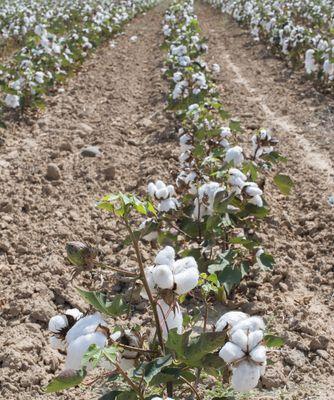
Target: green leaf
x=202, y=345
x=230, y=277
x=65, y=380
x=251, y=209
x=273, y=341
x=99, y=301
x=284, y=183
x=267, y=260
x=178, y=343
x=235, y=126
x=247, y=243
x=92, y=356
x=149, y=370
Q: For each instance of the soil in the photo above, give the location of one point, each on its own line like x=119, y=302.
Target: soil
x=116, y=103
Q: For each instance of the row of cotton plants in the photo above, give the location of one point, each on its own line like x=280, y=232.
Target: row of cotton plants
x=56, y=43
x=206, y=227
x=301, y=31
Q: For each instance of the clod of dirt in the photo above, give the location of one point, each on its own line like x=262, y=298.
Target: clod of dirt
x=53, y=172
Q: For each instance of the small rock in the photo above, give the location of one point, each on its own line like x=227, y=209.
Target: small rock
x=65, y=146
x=85, y=128
x=295, y=358
x=283, y=286
x=6, y=207
x=52, y=172
x=146, y=122
x=323, y=354
x=319, y=343
x=90, y=151
x=109, y=172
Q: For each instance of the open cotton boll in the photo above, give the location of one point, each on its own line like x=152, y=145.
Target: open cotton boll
x=258, y=354
x=78, y=347
x=74, y=312
x=250, y=324
x=85, y=326
x=240, y=338
x=163, y=277
x=231, y=352
x=166, y=256
x=252, y=189
x=231, y=318
x=170, y=317
x=150, y=281
x=57, y=323
x=245, y=376
x=186, y=280
x=235, y=155
x=254, y=338
x=168, y=204
x=256, y=200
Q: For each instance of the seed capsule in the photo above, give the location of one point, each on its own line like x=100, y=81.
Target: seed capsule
x=80, y=254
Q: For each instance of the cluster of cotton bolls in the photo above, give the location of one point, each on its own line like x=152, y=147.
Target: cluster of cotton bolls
x=44, y=61
x=74, y=333
x=164, y=194
x=244, y=352
x=276, y=21
x=167, y=279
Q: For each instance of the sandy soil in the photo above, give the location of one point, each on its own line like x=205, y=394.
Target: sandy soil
x=116, y=103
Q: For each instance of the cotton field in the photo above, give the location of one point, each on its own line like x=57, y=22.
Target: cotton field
x=166, y=199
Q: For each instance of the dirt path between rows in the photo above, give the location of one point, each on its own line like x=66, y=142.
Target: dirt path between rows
x=115, y=103
x=298, y=298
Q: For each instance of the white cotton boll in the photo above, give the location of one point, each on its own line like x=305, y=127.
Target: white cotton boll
x=215, y=68
x=163, y=277
x=252, y=189
x=150, y=281
x=240, y=338
x=168, y=204
x=235, y=155
x=151, y=188
x=245, y=376
x=225, y=132
x=177, y=77
x=254, y=338
x=231, y=352
x=166, y=256
x=57, y=323
x=250, y=324
x=186, y=280
x=12, y=101
x=183, y=264
x=170, y=317
x=74, y=312
x=85, y=326
x=57, y=344
x=310, y=65
x=258, y=354
x=237, y=178
x=171, y=190
x=231, y=318
x=256, y=200
x=162, y=193
x=78, y=347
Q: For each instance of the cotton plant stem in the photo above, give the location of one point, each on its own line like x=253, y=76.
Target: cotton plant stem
x=129, y=381
x=198, y=397
x=146, y=285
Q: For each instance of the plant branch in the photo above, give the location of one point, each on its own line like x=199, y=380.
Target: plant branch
x=146, y=285
x=198, y=397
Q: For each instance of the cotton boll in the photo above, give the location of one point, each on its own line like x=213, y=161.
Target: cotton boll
x=258, y=354
x=151, y=188
x=168, y=204
x=85, y=326
x=256, y=200
x=150, y=281
x=74, y=312
x=170, y=317
x=235, y=155
x=57, y=323
x=231, y=318
x=12, y=101
x=163, y=277
x=166, y=256
x=250, y=324
x=161, y=193
x=78, y=347
x=254, y=338
x=231, y=352
x=240, y=338
x=186, y=280
x=252, y=189
x=245, y=376
x=183, y=264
